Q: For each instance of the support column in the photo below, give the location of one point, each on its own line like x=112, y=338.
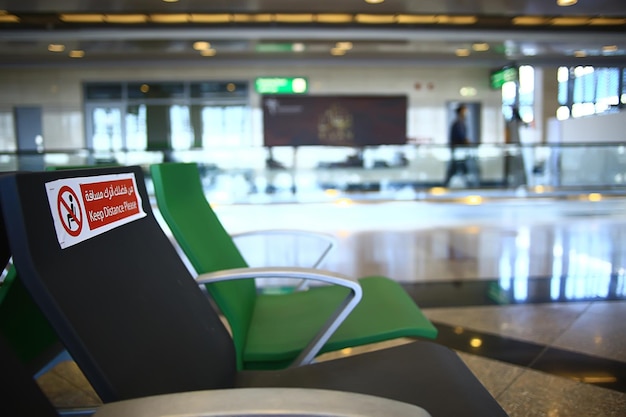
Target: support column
x=29, y=137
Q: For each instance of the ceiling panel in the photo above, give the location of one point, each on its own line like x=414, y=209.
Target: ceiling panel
x=25, y=42
x=487, y=7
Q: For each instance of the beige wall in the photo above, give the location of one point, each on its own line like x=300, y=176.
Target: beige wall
x=59, y=92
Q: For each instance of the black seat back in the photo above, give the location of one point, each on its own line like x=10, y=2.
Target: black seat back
x=126, y=284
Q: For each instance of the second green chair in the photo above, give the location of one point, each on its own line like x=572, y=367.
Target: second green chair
x=273, y=331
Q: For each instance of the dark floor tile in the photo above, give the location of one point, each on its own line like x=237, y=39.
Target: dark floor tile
x=581, y=367
x=463, y=293
x=590, y=369
x=488, y=345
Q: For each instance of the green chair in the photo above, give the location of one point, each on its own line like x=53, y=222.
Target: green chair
x=273, y=331
x=24, y=326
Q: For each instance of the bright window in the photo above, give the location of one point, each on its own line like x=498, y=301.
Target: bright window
x=181, y=115
x=521, y=94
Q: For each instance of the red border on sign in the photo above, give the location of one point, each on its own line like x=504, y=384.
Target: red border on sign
x=78, y=219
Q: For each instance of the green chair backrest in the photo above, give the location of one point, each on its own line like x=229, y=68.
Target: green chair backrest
x=197, y=229
x=23, y=324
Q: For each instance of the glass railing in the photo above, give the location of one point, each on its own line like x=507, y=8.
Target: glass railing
x=256, y=174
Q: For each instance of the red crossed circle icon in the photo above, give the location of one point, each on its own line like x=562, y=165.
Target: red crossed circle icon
x=70, y=211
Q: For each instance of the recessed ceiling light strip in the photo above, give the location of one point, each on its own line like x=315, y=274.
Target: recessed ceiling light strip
x=328, y=18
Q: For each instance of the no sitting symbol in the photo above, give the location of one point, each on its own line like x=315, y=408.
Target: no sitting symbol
x=70, y=211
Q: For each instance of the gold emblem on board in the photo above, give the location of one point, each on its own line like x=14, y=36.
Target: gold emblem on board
x=335, y=126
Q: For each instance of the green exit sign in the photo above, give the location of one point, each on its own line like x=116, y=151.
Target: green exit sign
x=281, y=85
x=503, y=75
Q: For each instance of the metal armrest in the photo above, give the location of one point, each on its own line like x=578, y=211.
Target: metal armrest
x=240, y=402
x=329, y=239
x=333, y=322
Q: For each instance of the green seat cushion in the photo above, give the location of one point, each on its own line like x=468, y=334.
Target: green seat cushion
x=282, y=325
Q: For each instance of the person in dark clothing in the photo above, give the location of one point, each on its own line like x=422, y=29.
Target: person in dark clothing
x=457, y=137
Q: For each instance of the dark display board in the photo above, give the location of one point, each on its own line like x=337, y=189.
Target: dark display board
x=334, y=120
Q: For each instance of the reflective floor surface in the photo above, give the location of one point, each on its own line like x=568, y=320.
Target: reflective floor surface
x=530, y=292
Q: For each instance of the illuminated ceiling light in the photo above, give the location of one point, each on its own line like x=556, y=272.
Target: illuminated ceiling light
x=208, y=52
x=125, y=18
x=77, y=53
x=570, y=21
x=480, y=46
x=458, y=20
x=594, y=197
x=566, y=3
x=374, y=1
x=344, y=45
x=241, y=18
x=337, y=52
x=376, y=19
x=170, y=18
x=230, y=87
x=609, y=48
x=462, y=52
x=201, y=45
x=416, y=19
x=607, y=21
x=56, y=47
x=263, y=17
x=82, y=18
x=580, y=54
x=209, y=18
x=468, y=91
x=144, y=88
x=529, y=20
x=334, y=18
x=170, y=1
x=293, y=18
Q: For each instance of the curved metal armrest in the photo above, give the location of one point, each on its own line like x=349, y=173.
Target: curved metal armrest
x=329, y=239
x=240, y=402
x=333, y=322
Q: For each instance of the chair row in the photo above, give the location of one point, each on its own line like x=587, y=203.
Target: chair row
x=97, y=264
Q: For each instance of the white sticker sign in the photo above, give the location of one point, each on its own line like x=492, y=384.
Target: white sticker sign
x=88, y=206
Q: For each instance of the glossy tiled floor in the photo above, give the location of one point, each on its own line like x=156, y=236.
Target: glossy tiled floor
x=530, y=292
